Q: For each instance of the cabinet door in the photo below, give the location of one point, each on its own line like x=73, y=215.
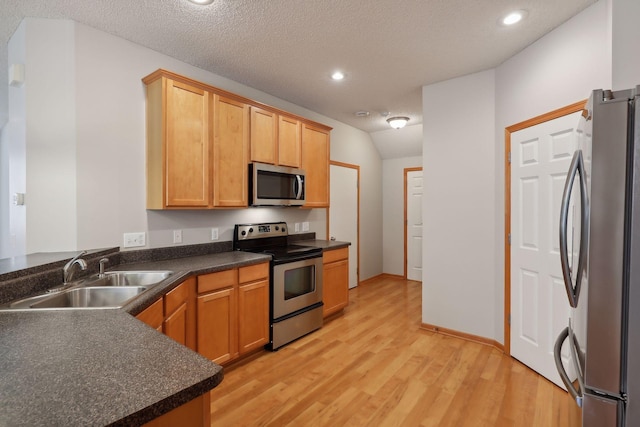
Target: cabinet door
x=175, y=325
x=230, y=152
x=289, y=142
x=216, y=327
x=263, y=136
x=315, y=162
x=152, y=315
x=335, y=286
x=186, y=146
x=253, y=315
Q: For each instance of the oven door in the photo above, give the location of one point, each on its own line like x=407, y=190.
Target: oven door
x=296, y=285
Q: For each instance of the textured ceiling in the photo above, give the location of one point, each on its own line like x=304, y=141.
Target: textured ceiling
x=388, y=49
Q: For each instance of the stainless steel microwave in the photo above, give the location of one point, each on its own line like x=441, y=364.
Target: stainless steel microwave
x=271, y=185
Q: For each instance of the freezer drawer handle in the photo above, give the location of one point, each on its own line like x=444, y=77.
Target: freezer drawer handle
x=575, y=394
x=576, y=168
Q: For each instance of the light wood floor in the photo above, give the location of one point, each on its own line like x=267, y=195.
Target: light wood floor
x=374, y=366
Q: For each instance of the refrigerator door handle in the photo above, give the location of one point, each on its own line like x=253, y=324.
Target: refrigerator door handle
x=576, y=168
x=576, y=395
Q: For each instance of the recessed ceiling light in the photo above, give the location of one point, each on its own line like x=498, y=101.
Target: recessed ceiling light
x=338, y=75
x=202, y=2
x=514, y=17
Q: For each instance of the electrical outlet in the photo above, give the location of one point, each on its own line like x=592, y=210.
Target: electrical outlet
x=305, y=226
x=132, y=240
x=214, y=233
x=177, y=236
x=297, y=227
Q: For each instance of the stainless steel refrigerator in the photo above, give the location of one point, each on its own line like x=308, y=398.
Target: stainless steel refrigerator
x=600, y=255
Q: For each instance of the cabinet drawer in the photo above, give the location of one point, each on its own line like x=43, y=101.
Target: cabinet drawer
x=335, y=255
x=253, y=272
x=175, y=298
x=219, y=280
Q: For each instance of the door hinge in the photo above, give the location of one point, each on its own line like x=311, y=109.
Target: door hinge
x=509, y=238
x=509, y=157
x=509, y=320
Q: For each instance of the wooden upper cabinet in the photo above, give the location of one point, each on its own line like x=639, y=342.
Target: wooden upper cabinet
x=263, y=136
x=289, y=141
x=315, y=163
x=200, y=140
x=230, y=152
x=178, y=157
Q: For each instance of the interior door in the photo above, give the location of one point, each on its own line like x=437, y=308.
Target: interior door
x=343, y=212
x=540, y=158
x=414, y=224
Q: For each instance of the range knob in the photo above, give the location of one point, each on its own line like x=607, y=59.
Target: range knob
x=277, y=228
x=251, y=230
x=244, y=233
x=284, y=229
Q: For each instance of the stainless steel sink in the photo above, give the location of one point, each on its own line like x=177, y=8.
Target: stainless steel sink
x=126, y=278
x=93, y=297
x=112, y=289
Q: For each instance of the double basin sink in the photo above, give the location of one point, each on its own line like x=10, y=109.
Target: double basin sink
x=112, y=289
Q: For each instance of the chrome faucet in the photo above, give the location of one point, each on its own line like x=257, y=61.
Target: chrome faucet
x=103, y=262
x=68, y=270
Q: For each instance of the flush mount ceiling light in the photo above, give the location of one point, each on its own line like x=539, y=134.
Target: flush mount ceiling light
x=201, y=2
x=397, y=122
x=337, y=75
x=513, y=17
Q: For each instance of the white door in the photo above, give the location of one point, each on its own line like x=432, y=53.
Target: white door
x=414, y=225
x=540, y=159
x=343, y=213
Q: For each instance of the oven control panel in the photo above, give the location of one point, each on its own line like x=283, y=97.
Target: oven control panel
x=260, y=231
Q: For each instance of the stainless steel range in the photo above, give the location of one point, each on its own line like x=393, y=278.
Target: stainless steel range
x=296, y=280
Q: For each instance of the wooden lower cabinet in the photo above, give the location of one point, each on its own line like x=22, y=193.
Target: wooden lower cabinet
x=195, y=413
x=216, y=325
x=174, y=314
x=335, y=280
x=233, y=312
x=253, y=316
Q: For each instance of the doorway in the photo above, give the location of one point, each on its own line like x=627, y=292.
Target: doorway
x=344, y=212
x=413, y=188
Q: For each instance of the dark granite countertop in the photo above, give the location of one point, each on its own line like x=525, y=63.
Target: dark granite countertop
x=326, y=245
x=93, y=367
x=99, y=367
x=184, y=268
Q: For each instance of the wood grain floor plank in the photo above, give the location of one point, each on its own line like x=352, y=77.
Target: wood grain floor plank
x=374, y=366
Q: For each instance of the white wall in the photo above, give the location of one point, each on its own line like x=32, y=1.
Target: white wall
x=626, y=35
x=393, y=212
x=559, y=69
x=109, y=131
x=41, y=129
x=458, y=282
x=463, y=280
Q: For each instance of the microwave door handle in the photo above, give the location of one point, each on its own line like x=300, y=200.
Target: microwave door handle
x=564, y=213
x=299, y=190
x=575, y=394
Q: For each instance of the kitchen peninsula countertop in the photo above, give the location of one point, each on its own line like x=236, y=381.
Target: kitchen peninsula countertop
x=93, y=367
x=103, y=367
